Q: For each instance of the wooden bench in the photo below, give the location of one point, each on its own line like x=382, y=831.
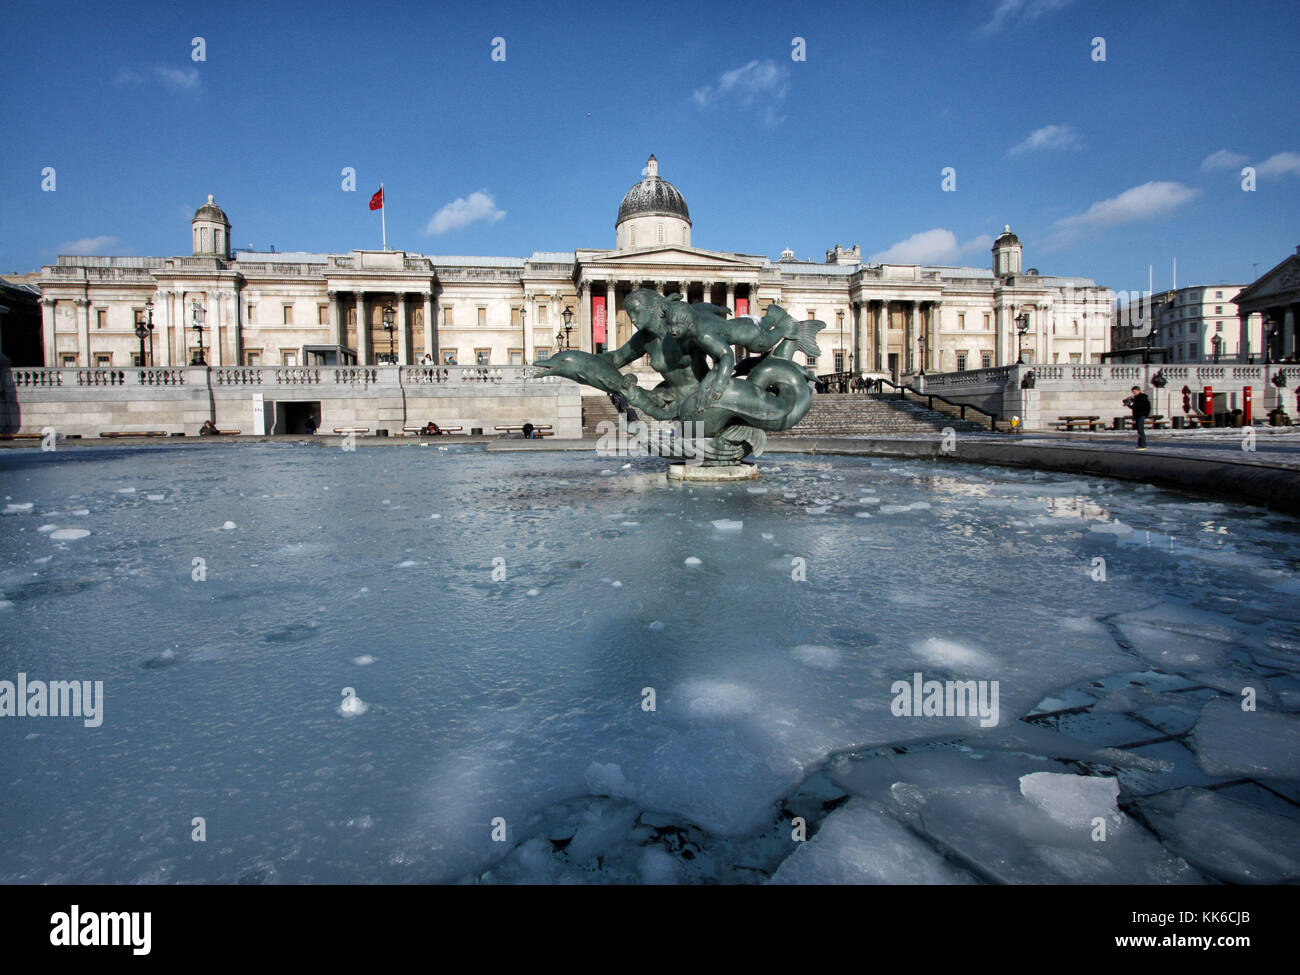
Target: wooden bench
x=539, y=429
x=351, y=429
x=1156, y=421
x=419, y=431
x=112, y=434
x=1070, y=422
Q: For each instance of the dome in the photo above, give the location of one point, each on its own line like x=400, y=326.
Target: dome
x=1006, y=237
x=210, y=211
x=653, y=196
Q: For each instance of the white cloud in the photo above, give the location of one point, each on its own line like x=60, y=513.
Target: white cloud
x=1280, y=164
x=88, y=245
x=1012, y=13
x=178, y=79
x=937, y=246
x=1049, y=137
x=1222, y=159
x=182, y=79
x=1143, y=202
x=758, y=85
x=463, y=211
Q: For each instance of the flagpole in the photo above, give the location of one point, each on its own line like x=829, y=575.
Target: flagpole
x=383, y=220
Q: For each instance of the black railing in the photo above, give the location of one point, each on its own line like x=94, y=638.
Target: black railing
x=877, y=387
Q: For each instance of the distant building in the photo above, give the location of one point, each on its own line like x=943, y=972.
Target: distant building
x=20, y=321
x=1275, y=298
x=259, y=308
x=1188, y=324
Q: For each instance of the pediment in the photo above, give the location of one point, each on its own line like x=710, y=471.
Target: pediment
x=682, y=256
x=1282, y=281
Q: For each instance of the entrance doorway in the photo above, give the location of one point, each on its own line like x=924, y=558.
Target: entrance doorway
x=893, y=366
x=292, y=416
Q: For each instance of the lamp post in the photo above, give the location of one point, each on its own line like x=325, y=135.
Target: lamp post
x=141, y=330
x=199, y=315
x=148, y=309
x=567, y=315
x=840, y=315
x=523, y=330
x=389, y=313
x=1270, y=330
x=1217, y=342
x=1022, y=327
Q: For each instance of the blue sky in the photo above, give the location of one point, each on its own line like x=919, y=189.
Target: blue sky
x=1101, y=167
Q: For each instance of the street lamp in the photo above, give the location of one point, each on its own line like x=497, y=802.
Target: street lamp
x=389, y=313
x=523, y=329
x=148, y=308
x=840, y=315
x=199, y=315
x=563, y=337
x=141, y=330
x=1217, y=342
x=1022, y=326
x=1269, y=331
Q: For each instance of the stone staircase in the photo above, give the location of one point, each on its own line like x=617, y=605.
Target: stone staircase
x=856, y=414
x=595, y=409
x=832, y=414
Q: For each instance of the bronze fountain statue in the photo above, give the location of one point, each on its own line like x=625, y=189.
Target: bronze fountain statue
x=728, y=405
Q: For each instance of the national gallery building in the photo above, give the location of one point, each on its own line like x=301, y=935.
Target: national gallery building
x=363, y=307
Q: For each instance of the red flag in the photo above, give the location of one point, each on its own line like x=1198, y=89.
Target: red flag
x=377, y=201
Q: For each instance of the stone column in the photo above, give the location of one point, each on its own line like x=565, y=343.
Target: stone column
x=1288, y=332
x=731, y=297
x=1243, y=336
x=83, y=331
x=882, y=336
x=404, y=324
x=932, y=350
x=527, y=319
x=999, y=339
x=706, y=295
x=586, y=320
x=363, y=331
x=611, y=316
x=336, y=319
x=913, y=337
x=48, y=309
x=430, y=327
x=213, y=300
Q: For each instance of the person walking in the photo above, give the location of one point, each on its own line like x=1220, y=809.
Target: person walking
x=1140, y=404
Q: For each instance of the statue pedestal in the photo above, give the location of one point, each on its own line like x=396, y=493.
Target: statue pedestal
x=699, y=472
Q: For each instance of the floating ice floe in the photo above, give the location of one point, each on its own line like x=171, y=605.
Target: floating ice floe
x=19, y=507
x=407, y=564
x=691, y=560
x=727, y=525
x=69, y=534
x=1073, y=800
x=757, y=490
x=155, y=497
x=47, y=528
x=365, y=660
x=656, y=626
x=869, y=500
x=228, y=526
x=80, y=512
x=1115, y=527
x=1231, y=742
x=126, y=490
x=352, y=706
x=533, y=592
x=812, y=655
x=820, y=509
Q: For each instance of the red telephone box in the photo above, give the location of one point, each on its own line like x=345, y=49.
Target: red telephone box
x=1245, y=406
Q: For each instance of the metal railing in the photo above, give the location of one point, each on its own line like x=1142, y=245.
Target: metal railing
x=877, y=388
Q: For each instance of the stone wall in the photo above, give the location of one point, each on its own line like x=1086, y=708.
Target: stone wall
x=1099, y=390
x=88, y=402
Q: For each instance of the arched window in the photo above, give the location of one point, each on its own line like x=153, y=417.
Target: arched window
x=203, y=240
x=217, y=233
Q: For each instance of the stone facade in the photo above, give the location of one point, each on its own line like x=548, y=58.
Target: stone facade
x=296, y=309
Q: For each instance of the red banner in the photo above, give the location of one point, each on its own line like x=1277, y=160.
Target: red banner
x=377, y=201
x=742, y=306
x=598, y=318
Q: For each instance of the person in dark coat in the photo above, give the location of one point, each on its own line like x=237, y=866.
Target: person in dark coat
x=1140, y=404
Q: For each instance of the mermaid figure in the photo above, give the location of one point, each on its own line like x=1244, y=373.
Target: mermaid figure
x=693, y=348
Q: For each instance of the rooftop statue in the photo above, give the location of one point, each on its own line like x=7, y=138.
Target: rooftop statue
x=728, y=405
